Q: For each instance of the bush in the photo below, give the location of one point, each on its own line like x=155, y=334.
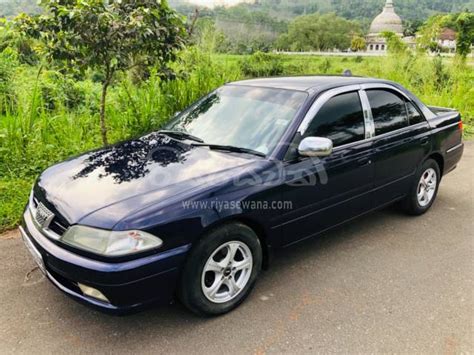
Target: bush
x=73, y=94
x=441, y=76
x=60, y=91
x=262, y=64
x=49, y=95
x=325, y=66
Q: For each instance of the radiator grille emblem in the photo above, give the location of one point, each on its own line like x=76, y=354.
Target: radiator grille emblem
x=43, y=216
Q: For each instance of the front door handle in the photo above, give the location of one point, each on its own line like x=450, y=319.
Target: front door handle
x=425, y=141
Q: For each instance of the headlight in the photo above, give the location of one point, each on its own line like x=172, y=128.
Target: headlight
x=110, y=243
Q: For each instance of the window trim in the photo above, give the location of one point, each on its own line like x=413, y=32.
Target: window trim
x=407, y=100
x=327, y=95
x=368, y=118
x=365, y=116
x=321, y=101
x=384, y=135
x=386, y=87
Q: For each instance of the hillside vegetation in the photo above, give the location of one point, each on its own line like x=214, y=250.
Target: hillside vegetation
x=353, y=9
x=52, y=78
x=46, y=118
x=364, y=10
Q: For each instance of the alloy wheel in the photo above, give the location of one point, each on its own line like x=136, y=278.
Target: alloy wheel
x=427, y=187
x=227, y=272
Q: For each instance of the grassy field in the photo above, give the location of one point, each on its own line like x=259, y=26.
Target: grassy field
x=46, y=117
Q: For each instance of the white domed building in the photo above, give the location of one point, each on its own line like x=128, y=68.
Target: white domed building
x=387, y=21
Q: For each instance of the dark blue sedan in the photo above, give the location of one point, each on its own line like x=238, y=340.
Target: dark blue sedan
x=194, y=211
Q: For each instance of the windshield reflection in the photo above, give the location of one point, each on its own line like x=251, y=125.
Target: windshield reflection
x=241, y=116
x=131, y=160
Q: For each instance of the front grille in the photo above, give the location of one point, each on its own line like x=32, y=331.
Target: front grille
x=58, y=224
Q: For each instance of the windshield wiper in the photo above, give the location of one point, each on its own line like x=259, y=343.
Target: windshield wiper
x=181, y=135
x=230, y=148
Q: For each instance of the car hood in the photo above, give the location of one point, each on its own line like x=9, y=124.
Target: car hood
x=118, y=180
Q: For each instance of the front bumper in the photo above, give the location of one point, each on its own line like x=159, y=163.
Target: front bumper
x=128, y=286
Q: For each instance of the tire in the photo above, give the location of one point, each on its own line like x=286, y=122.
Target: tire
x=199, y=288
x=417, y=202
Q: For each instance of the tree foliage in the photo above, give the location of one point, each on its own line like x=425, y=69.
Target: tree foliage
x=318, y=32
x=465, y=38
x=430, y=30
x=395, y=45
x=108, y=37
x=364, y=10
x=462, y=23
x=243, y=30
x=358, y=43
x=18, y=43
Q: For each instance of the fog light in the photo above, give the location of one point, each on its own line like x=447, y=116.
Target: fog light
x=92, y=292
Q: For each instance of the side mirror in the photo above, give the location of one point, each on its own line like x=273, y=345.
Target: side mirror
x=315, y=147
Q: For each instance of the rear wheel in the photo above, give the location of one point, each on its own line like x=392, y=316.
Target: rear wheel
x=424, y=190
x=221, y=270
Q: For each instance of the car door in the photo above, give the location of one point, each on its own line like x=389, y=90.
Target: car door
x=401, y=142
x=327, y=191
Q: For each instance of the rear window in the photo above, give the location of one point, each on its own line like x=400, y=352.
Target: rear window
x=389, y=111
x=414, y=116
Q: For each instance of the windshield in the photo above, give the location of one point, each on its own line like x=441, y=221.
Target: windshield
x=240, y=116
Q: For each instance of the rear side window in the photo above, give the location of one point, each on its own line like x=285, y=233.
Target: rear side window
x=414, y=116
x=340, y=119
x=389, y=111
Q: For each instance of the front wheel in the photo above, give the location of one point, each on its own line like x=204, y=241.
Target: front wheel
x=424, y=190
x=221, y=270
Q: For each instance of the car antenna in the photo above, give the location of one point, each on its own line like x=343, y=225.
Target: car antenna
x=347, y=72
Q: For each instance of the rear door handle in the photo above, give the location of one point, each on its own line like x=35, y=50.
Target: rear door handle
x=364, y=161
x=424, y=141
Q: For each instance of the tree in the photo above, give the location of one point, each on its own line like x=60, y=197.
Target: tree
x=412, y=27
x=394, y=43
x=358, y=43
x=17, y=42
x=465, y=38
x=428, y=34
x=107, y=36
x=462, y=23
x=318, y=32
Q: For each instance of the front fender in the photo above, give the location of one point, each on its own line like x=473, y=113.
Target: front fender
x=175, y=224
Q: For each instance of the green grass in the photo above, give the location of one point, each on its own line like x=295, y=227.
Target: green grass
x=45, y=118
x=13, y=196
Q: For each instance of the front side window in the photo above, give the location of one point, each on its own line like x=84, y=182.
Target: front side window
x=241, y=116
x=388, y=110
x=340, y=119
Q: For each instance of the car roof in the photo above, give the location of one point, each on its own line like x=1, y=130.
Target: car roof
x=308, y=83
